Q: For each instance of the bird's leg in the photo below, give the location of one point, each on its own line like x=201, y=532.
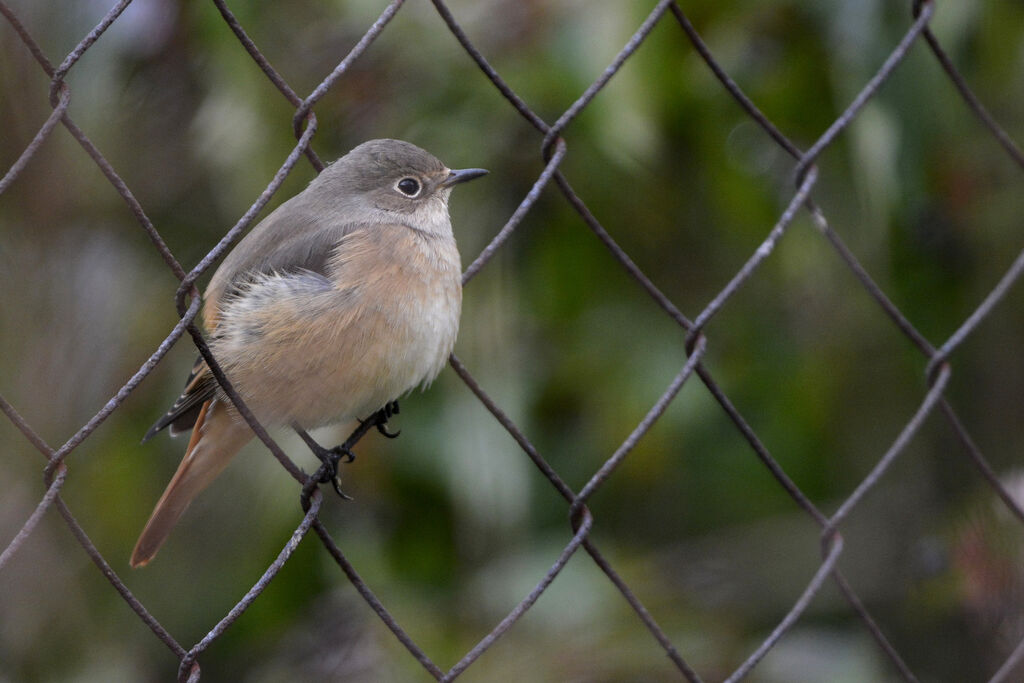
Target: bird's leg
x=330, y=457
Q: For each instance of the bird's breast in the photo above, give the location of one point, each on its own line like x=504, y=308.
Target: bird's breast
x=301, y=347
x=407, y=287
x=416, y=307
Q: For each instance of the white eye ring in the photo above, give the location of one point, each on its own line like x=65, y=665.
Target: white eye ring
x=410, y=187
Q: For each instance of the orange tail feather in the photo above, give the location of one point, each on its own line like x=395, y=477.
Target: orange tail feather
x=216, y=437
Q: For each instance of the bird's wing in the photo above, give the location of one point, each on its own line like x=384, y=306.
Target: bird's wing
x=304, y=245
x=294, y=238
x=199, y=388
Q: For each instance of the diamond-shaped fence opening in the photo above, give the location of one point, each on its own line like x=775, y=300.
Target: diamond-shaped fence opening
x=736, y=390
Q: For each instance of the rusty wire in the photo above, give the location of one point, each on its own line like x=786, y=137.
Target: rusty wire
x=552, y=150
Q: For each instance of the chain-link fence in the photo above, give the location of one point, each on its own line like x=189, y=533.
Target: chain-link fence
x=693, y=369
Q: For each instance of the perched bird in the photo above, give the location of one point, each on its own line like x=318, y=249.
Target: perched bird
x=343, y=299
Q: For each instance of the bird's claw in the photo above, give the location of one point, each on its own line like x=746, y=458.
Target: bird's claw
x=380, y=420
x=330, y=457
x=382, y=428
x=336, y=483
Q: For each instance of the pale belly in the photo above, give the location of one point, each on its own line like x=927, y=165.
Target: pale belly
x=334, y=365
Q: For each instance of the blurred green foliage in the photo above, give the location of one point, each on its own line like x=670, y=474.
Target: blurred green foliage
x=451, y=524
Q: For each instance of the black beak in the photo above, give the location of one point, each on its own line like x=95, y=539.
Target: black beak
x=462, y=175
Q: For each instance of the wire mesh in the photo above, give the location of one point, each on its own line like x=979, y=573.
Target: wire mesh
x=553, y=150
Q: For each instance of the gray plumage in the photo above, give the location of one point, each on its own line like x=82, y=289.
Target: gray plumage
x=342, y=299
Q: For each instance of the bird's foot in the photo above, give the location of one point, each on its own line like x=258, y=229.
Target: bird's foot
x=330, y=457
x=381, y=417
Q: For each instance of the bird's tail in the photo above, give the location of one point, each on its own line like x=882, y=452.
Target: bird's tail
x=216, y=437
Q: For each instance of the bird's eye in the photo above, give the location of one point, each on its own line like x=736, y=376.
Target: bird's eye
x=410, y=187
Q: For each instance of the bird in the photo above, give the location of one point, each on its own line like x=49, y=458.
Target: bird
x=343, y=299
